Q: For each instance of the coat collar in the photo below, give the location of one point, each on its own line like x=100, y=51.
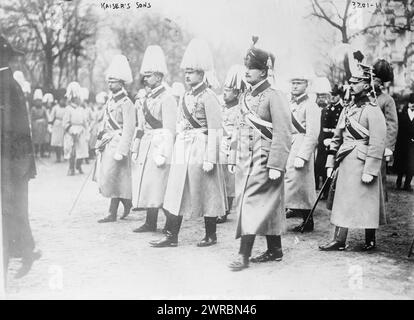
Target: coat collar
x=198, y=89
x=299, y=99
x=259, y=87
x=156, y=91
x=119, y=95
x=232, y=103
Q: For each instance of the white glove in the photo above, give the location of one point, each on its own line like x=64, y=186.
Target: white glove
x=299, y=163
x=159, y=160
x=329, y=171
x=367, y=178
x=387, y=154
x=231, y=168
x=134, y=156
x=274, y=174
x=327, y=142
x=118, y=156
x=207, y=166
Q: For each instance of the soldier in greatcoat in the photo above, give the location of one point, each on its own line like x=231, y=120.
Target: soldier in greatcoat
x=152, y=147
x=56, y=120
x=195, y=184
x=75, y=143
x=234, y=86
x=113, y=164
x=357, y=150
x=300, y=178
x=260, y=152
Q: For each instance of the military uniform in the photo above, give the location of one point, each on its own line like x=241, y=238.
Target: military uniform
x=56, y=119
x=157, y=118
x=300, y=182
x=357, y=150
x=329, y=119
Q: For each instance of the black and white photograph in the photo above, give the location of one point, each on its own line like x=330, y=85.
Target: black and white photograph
x=214, y=150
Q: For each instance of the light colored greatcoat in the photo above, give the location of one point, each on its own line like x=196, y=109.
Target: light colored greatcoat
x=356, y=204
x=259, y=200
x=75, y=127
x=300, y=183
x=190, y=190
x=115, y=176
x=56, y=117
x=148, y=180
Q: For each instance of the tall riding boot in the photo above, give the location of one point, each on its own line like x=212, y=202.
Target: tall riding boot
x=246, y=247
x=113, y=209
x=339, y=241
x=369, y=240
x=127, y=203
x=79, y=165
x=71, y=171
x=150, y=224
x=273, y=252
x=211, y=236
x=167, y=225
x=42, y=150
x=58, y=154
x=307, y=227
x=171, y=238
x=407, y=182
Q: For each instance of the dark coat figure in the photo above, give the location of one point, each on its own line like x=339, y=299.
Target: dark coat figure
x=329, y=119
x=17, y=166
x=404, y=150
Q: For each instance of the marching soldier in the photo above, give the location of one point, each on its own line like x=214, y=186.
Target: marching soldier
x=300, y=178
x=114, y=163
x=152, y=153
x=262, y=144
x=329, y=118
x=358, y=145
x=233, y=88
x=75, y=127
x=195, y=183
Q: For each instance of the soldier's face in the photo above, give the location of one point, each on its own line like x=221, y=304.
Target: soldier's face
x=359, y=87
x=299, y=87
x=322, y=99
x=335, y=99
x=229, y=94
x=114, y=86
x=193, y=77
x=152, y=80
x=254, y=76
x=411, y=105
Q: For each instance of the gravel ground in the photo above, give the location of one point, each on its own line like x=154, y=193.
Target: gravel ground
x=86, y=260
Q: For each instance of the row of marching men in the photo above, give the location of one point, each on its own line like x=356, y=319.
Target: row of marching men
x=186, y=160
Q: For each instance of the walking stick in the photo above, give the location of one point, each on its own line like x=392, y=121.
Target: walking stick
x=81, y=190
x=325, y=184
x=2, y=266
x=411, y=248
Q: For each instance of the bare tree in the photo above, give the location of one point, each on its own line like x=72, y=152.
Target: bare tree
x=50, y=32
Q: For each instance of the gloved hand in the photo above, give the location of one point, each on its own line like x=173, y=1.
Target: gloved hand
x=159, y=160
x=299, y=163
x=274, y=174
x=231, y=168
x=207, y=166
x=118, y=156
x=134, y=156
x=327, y=142
x=367, y=178
x=387, y=154
x=329, y=171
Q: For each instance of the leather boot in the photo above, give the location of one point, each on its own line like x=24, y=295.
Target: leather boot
x=171, y=238
x=71, y=171
x=273, y=252
x=127, y=203
x=167, y=225
x=150, y=224
x=369, y=240
x=339, y=241
x=246, y=246
x=113, y=209
x=210, y=237
x=79, y=166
